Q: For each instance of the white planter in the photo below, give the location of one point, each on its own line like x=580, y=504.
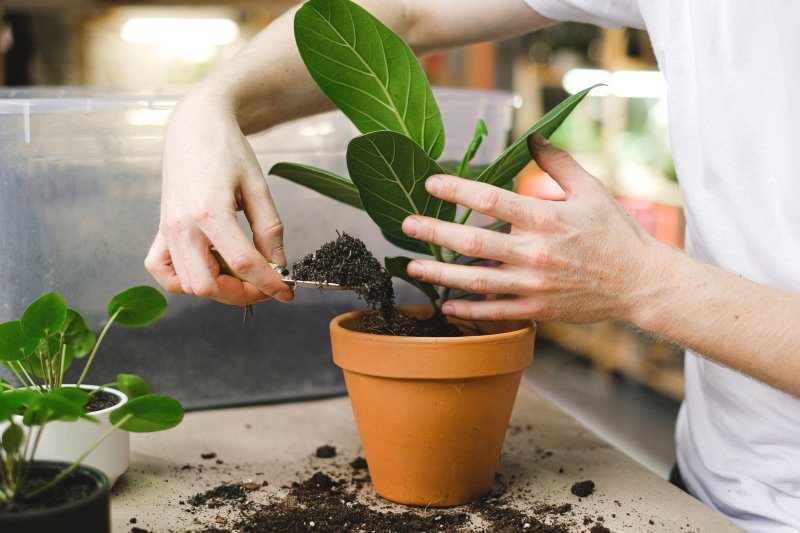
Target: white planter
x=66, y=441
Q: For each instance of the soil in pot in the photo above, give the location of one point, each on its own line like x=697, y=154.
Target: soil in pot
x=75, y=487
x=346, y=261
x=101, y=400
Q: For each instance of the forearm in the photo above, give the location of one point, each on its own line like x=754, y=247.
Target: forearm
x=267, y=83
x=736, y=322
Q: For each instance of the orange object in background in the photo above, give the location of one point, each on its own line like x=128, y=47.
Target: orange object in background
x=662, y=221
x=432, y=412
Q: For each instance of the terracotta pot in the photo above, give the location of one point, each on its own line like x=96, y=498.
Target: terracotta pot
x=90, y=514
x=432, y=412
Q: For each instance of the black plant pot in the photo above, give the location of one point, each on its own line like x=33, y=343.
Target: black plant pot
x=91, y=514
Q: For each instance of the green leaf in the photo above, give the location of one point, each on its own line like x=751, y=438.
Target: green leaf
x=516, y=156
x=14, y=345
x=13, y=437
x=477, y=139
x=153, y=412
x=408, y=243
x=44, y=316
x=368, y=71
x=66, y=404
x=389, y=171
x=396, y=266
x=12, y=401
x=137, y=306
x=78, y=338
x=472, y=172
x=322, y=181
x=133, y=386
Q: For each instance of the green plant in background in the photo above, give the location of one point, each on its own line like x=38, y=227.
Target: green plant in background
x=372, y=75
x=38, y=349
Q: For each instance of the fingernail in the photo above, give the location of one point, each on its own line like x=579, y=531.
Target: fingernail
x=539, y=140
x=433, y=184
x=448, y=308
x=415, y=270
x=284, y=297
x=411, y=226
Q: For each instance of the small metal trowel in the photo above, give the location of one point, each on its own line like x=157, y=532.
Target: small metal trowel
x=285, y=277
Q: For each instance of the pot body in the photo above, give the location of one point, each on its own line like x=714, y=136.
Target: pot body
x=91, y=514
x=432, y=412
x=66, y=441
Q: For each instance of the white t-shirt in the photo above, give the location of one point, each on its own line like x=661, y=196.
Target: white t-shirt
x=733, y=76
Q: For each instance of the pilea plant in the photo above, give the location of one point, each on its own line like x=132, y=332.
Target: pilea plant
x=38, y=349
x=373, y=77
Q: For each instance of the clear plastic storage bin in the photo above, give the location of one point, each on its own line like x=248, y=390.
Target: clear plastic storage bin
x=80, y=173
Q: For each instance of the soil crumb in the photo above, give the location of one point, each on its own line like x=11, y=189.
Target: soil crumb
x=347, y=261
x=359, y=463
x=582, y=488
x=326, y=451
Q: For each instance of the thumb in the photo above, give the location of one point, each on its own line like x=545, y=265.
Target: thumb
x=558, y=164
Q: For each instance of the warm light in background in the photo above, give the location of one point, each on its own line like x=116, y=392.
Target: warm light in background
x=622, y=83
x=192, y=39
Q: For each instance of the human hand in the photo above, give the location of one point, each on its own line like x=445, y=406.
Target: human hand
x=581, y=260
x=209, y=173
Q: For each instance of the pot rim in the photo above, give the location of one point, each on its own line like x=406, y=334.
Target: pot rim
x=100, y=487
x=432, y=358
x=123, y=398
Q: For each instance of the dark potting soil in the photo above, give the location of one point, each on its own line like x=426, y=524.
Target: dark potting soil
x=326, y=451
x=101, y=400
x=583, y=488
x=347, y=262
x=72, y=488
x=332, y=503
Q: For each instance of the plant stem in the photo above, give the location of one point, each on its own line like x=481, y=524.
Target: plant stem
x=465, y=215
x=67, y=471
x=32, y=383
x=97, y=345
x=437, y=252
x=61, y=363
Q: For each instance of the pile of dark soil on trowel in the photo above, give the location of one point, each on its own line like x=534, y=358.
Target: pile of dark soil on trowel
x=347, y=262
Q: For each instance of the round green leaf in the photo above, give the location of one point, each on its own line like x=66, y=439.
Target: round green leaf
x=78, y=338
x=132, y=385
x=11, y=401
x=13, y=437
x=44, y=316
x=14, y=345
x=137, y=306
x=153, y=412
x=64, y=404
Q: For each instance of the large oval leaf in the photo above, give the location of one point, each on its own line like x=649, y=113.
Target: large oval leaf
x=44, y=316
x=137, y=306
x=320, y=180
x=368, y=71
x=133, y=386
x=14, y=345
x=397, y=265
x=389, y=171
x=516, y=156
x=149, y=413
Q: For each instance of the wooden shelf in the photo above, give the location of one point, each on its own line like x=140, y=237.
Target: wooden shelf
x=615, y=347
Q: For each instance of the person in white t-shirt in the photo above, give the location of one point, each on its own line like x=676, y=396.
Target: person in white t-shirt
x=733, y=300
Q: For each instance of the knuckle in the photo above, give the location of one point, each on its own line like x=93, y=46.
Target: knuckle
x=203, y=289
x=487, y=199
x=478, y=284
x=273, y=228
x=202, y=214
x=472, y=245
x=241, y=264
x=171, y=225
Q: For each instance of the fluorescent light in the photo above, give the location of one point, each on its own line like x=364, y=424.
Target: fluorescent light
x=169, y=30
x=622, y=83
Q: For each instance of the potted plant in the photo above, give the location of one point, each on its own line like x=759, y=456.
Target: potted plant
x=39, y=349
x=52, y=497
x=432, y=412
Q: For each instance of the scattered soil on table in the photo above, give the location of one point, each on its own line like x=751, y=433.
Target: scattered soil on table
x=101, y=400
x=583, y=488
x=347, y=262
x=332, y=502
x=73, y=488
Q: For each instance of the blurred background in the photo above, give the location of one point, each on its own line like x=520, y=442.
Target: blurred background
x=87, y=86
